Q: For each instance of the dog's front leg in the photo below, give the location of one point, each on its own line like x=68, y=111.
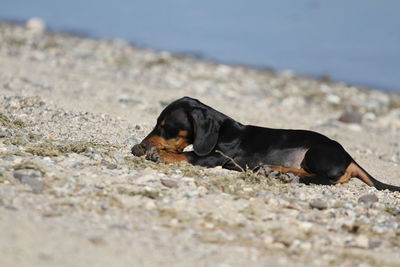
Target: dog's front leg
x=165, y=156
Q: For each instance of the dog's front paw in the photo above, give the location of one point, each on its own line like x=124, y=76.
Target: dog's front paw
x=152, y=154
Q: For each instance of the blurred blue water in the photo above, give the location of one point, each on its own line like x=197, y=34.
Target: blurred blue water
x=355, y=41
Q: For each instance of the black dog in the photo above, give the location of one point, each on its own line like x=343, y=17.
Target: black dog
x=218, y=140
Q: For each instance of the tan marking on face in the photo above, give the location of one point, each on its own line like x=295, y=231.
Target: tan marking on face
x=299, y=172
x=354, y=171
x=172, y=145
x=183, y=133
x=162, y=123
x=170, y=157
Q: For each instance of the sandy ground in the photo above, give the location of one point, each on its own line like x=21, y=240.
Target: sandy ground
x=71, y=194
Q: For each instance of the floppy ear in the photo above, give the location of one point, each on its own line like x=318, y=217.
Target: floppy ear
x=206, y=130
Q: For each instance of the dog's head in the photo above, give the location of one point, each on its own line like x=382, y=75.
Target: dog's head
x=183, y=122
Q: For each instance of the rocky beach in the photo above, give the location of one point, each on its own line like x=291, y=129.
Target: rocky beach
x=72, y=194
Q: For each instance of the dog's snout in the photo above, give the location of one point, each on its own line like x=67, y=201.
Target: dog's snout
x=144, y=145
x=138, y=150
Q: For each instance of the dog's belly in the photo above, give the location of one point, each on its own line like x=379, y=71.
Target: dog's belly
x=289, y=157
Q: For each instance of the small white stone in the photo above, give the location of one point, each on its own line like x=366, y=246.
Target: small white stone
x=150, y=205
x=370, y=116
x=361, y=241
x=268, y=240
x=209, y=225
x=334, y=99
x=174, y=221
x=202, y=190
x=36, y=25
x=272, y=202
x=305, y=246
x=354, y=127
x=306, y=226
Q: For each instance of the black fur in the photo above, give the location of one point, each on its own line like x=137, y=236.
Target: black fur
x=252, y=146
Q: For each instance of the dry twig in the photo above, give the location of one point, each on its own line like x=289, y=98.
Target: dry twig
x=231, y=159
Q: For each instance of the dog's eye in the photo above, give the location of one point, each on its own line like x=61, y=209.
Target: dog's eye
x=164, y=126
x=169, y=128
x=167, y=125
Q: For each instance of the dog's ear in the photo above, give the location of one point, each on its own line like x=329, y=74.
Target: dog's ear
x=206, y=130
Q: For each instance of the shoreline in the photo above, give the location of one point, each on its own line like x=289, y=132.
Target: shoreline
x=71, y=193
x=198, y=56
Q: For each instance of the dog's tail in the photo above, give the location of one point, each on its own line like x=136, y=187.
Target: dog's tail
x=364, y=176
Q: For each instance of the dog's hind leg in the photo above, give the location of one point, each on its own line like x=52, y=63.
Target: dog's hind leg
x=329, y=162
x=298, y=172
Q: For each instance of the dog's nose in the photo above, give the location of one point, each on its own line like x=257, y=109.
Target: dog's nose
x=138, y=150
x=144, y=145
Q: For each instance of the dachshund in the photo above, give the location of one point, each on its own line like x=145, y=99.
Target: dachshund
x=219, y=140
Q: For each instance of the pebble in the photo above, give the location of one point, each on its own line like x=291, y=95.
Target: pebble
x=169, y=183
x=4, y=132
x=97, y=240
x=351, y=117
x=396, y=211
x=334, y=99
x=36, y=25
x=306, y=226
x=374, y=243
x=368, y=198
x=146, y=179
x=150, y=205
x=354, y=127
x=129, y=101
x=30, y=177
x=108, y=165
x=361, y=241
x=318, y=204
x=268, y=240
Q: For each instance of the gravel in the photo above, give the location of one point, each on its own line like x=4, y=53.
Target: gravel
x=72, y=194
